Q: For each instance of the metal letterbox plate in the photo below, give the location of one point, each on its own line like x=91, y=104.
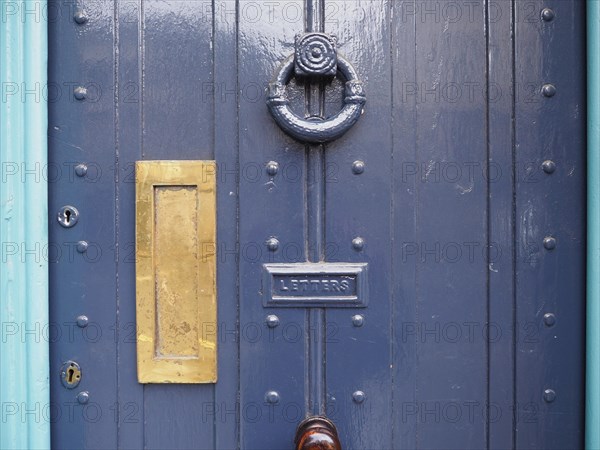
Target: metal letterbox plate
x=315, y=285
x=176, y=271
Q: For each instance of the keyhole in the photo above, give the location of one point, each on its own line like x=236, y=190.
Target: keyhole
x=70, y=375
x=68, y=216
x=73, y=374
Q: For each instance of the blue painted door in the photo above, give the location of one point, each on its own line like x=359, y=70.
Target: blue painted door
x=461, y=190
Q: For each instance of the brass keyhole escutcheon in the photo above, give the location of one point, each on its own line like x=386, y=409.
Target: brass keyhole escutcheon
x=70, y=374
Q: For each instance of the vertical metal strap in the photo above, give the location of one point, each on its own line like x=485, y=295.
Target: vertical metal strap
x=315, y=205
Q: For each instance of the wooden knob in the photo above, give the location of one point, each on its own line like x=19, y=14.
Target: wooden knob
x=317, y=433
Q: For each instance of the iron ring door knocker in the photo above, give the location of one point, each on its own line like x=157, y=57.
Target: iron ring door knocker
x=316, y=56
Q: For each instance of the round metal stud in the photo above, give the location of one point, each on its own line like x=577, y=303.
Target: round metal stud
x=80, y=170
x=359, y=397
x=272, y=397
x=358, y=243
x=547, y=15
x=82, y=246
x=272, y=168
x=80, y=17
x=68, y=216
x=549, y=319
x=272, y=320
x=82, y=321
x=549, y=243
x=549, y=395
x=80, y=93
x=272, y=244
x=549, y=90
x=549, y=166
x=83, y=397
x=358, y=167
x=358, y=320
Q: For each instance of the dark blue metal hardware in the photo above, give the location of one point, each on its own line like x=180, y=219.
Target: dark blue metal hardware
x=547, y=14
x=81, y=170
x=549, y=166
x=315, y=55
x=315, y=285
x=83, y=398
x=315, y=130
x=80, y=93
x=80, y=17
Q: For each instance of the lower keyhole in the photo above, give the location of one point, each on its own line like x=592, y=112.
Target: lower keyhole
x=70, y=374
x=67, y=216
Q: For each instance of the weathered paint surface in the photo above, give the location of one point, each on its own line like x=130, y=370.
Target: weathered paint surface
x=24, y=329
x=472, y=334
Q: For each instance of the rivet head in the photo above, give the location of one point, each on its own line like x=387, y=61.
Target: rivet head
x=82, y=246
x=358, y=320
x=272, y=397
x=272, y=320
x=549, y=395
x=68, y=216
x=272, y=244
x=549, y=243
x=83, y=397
x=80, y=170
x=82, y=321
x=80, y=93
x=80, y=17
x=358, y=167
x=547, y=14
x=549, y=90
x=358, y=243
x=549, y=319
x=272, y=168
x=549, y=166
x=359, y=396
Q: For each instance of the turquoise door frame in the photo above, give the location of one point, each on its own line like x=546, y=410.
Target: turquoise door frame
x=593, y=244
x=24, y=329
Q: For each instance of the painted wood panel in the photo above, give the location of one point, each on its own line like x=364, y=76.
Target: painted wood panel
x=455, y=348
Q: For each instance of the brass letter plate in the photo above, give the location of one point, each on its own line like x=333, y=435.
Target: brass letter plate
x=176, y=271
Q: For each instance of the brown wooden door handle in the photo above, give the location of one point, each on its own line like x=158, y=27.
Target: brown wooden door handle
x=317, y=433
